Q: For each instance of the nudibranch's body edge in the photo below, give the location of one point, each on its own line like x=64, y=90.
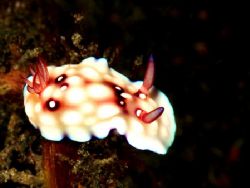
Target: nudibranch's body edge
x=91, y=99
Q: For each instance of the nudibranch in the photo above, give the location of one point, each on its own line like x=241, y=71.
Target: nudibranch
x=89, y=99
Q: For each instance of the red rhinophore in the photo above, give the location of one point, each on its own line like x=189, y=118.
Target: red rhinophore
x=149, y=117
x=149, y=76
x=153, y=115
x=40, y=75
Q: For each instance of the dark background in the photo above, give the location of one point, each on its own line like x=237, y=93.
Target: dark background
x=199, y=66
